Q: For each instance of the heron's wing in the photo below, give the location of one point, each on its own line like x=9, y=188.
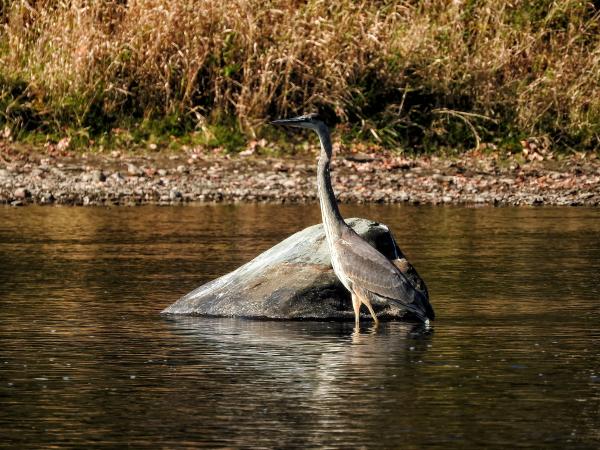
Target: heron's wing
x=368, y=269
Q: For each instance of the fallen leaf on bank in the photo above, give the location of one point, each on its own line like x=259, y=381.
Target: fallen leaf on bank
x=63, y=144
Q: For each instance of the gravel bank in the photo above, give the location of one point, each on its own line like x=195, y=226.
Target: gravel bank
x=166, y=180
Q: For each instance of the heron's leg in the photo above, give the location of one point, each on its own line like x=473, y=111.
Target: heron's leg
x=367, y=302
x=356, y=306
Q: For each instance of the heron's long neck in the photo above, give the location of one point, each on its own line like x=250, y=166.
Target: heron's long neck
x=333, y=221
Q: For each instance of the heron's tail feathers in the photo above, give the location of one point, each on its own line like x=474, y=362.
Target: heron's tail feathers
x=417, y=305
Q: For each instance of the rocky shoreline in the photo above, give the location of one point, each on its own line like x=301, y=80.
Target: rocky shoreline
x=471, y=179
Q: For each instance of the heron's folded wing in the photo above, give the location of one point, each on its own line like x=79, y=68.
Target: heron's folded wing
x=368, y=269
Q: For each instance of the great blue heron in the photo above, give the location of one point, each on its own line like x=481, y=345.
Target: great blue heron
x=363, y=270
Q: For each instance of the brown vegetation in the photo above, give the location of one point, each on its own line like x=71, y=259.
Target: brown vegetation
x=424, y=73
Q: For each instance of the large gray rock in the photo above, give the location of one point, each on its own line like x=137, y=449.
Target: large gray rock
x=294, y=280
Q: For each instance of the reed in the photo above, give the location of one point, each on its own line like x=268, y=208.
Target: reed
x=413, y=73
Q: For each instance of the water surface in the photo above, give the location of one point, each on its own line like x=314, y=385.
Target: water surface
x=87, y=360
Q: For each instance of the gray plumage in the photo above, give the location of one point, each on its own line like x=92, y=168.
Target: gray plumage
x=364, y=271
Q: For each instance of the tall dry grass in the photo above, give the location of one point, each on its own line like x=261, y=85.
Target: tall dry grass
x=435, y=72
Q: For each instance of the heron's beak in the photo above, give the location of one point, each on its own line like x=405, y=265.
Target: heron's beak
x=298, y=122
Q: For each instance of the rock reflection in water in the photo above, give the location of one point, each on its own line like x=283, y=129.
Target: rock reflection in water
x=302, y=376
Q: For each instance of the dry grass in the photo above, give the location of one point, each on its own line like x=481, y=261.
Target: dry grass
x=428, y=72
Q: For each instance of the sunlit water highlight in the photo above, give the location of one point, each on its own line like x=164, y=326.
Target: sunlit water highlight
x=86, y=359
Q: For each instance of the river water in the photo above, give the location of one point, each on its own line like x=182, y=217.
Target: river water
x=86, y=360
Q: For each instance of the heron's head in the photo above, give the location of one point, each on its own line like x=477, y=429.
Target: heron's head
x=310, y=121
